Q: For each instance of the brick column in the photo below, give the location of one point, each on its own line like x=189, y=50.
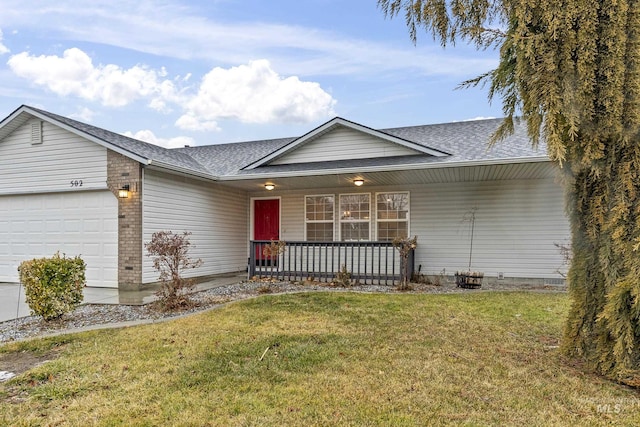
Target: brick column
x=123, y=171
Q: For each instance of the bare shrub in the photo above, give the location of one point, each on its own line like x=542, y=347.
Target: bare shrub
x=171, y=258
x=567, y=254
x=405, y=245
x=343, y=277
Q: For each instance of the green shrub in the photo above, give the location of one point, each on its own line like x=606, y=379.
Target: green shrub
x=53, y=286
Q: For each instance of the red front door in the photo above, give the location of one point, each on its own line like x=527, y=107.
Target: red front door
x=266, y=222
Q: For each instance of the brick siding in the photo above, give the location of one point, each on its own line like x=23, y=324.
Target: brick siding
x=122, y=171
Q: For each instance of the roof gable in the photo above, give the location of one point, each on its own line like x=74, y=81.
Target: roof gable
x=340, y=139
x=140, y=151
x=24, y=113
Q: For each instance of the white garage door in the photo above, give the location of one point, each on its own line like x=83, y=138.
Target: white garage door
x=79, y=223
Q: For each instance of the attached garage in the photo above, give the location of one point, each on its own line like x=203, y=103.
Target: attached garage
x=54, y=196
x=81, y=223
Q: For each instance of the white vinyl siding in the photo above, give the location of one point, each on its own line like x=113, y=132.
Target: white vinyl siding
x=62, y=157
x=39, y=225
x=517, y=224
x=343, y=144
x=215, y=215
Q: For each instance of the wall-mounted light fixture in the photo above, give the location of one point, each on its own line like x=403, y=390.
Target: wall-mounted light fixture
x=269, y=186
x=124, y=192
x=358, y=182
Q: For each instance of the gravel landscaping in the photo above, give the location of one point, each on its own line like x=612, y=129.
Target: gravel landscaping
x=93, y=316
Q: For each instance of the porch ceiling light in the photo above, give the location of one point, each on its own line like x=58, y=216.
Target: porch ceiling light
x=269, y=186
x=124, y=192
x=358, y=182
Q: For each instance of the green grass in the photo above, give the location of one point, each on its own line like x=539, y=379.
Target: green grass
x=331, y=359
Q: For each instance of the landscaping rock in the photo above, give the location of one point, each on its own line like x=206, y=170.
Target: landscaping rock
x=93, y=316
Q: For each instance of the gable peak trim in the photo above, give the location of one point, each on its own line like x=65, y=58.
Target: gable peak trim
x=337, y=122
x=44, y=116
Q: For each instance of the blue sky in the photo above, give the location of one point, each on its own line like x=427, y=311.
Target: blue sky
x=206, y=72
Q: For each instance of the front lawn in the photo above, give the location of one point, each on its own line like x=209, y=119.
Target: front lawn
x=481, y=358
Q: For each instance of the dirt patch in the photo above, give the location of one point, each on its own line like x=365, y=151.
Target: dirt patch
x=22, y=361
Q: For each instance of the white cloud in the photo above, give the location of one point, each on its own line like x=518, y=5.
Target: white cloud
x=191, y=121
x=166, y=28
x=478, y=118
x=148, y=136
x=3, y=48
x=254, y=93
x=85, y=115
x=74, y=74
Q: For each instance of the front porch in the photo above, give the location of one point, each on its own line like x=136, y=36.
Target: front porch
x=334, y=221
x=367, y=262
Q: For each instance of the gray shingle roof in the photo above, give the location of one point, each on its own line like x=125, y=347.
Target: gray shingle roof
x=466, y=141
x=228, y=159
x=469, y=140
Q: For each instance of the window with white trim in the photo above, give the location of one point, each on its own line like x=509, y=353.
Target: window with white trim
x=318, y=217
x=355, y=217
x=392, y=215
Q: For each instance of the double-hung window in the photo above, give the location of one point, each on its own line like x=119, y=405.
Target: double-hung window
x=355, y=217
x=319, y=214
x=392, y=215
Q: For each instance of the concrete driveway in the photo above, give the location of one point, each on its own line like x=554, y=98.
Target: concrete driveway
x=12, y=301
x=13, y=305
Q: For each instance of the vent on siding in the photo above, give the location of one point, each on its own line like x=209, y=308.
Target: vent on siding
x=36, y=132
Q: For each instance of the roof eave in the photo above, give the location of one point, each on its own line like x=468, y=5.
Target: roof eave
x=5, y=124
x=162, y=166
x=412, y=166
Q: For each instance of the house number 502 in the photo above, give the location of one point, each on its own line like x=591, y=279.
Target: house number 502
x=76, y=183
